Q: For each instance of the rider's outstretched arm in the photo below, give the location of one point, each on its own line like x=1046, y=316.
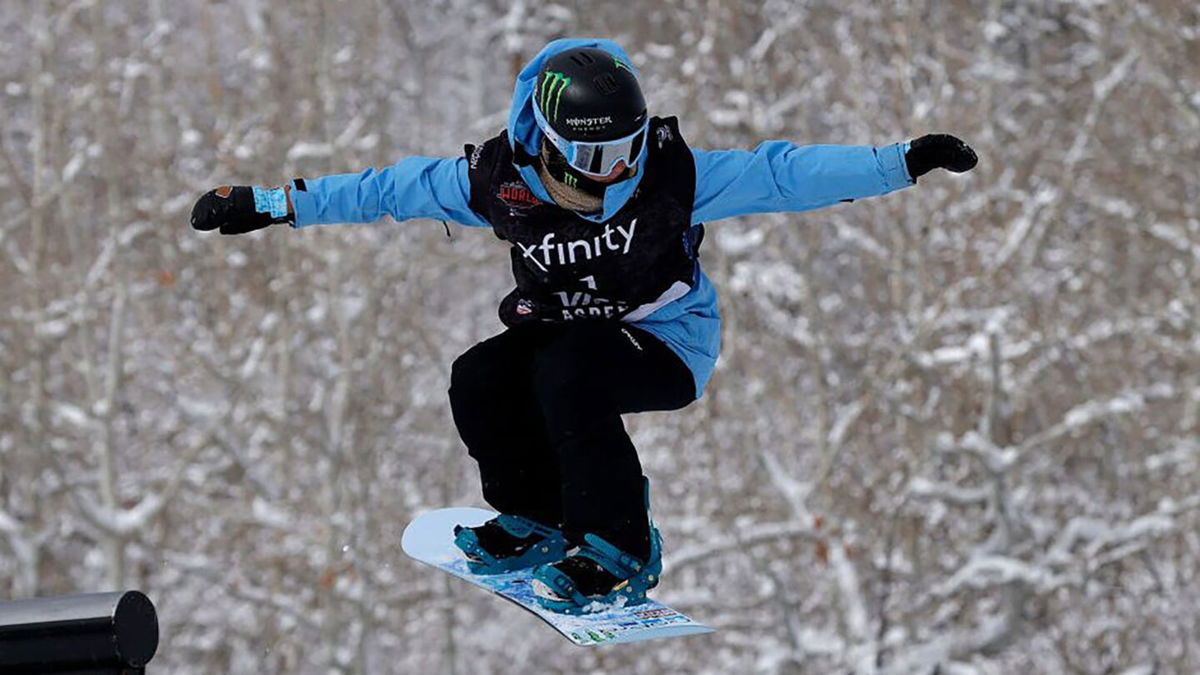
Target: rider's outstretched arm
x=414, y=187
x=783, y=176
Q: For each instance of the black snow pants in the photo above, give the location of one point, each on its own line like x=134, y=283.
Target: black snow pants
x=539, y=408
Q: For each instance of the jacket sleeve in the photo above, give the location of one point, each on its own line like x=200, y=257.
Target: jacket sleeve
x=414, y=187
x=783, y=176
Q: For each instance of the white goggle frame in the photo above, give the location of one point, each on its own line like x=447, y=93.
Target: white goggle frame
x=595, y=158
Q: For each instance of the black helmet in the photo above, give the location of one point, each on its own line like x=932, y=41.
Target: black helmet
x=590, y=107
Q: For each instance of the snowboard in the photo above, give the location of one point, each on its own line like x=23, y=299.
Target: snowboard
x=430, y=539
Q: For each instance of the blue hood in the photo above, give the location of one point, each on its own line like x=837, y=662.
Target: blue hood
x=523, y=129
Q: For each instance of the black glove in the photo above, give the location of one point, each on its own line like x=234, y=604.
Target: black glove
x=238, y=209
x=939, y=151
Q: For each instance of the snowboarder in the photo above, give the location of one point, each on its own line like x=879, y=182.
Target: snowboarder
x=611, y=313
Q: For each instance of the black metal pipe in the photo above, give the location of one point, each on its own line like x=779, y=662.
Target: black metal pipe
x=92, y=633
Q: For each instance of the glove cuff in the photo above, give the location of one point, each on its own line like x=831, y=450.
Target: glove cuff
x=272, y=202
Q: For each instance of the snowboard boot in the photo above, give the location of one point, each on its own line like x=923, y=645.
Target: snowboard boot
x=507, y=543
x=598, y=574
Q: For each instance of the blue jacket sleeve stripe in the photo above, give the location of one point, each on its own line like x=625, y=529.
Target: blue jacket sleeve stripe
x=415, y=187
x=783, y=176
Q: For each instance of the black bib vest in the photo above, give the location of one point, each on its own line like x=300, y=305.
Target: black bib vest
x=569, y=268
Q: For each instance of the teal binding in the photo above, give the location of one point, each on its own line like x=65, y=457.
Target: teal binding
x=637, y=576
x=552, y=547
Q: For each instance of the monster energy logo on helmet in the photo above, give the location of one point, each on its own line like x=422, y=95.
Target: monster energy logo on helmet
x=592, y=88
x=592, y=114
x=551, y=92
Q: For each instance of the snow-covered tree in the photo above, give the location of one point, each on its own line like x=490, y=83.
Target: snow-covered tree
x=953, y=430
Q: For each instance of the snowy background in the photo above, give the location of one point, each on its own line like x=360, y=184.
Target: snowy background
x=954, y=430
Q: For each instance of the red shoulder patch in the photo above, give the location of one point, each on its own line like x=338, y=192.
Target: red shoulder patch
x=518, y=195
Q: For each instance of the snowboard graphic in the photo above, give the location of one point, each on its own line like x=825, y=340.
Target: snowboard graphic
x=430, y=539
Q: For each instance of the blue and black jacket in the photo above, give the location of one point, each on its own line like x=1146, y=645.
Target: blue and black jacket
x=775, y=176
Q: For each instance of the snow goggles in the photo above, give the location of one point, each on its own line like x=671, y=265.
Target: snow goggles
x=595, y=158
